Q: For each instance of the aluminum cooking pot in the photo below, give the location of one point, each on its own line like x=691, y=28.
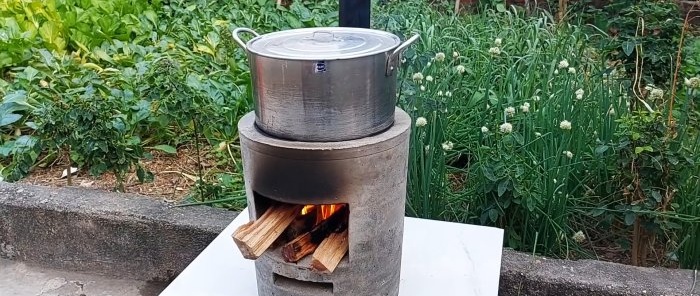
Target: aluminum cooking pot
x=324, y=84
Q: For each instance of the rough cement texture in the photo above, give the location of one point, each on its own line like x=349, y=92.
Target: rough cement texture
x=20, y=279
x=526, y=275
x=106, y=233
x=368, y=174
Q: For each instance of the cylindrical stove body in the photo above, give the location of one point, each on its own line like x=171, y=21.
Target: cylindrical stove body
x=369, y=174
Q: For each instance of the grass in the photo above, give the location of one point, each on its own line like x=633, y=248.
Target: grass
x=540, y=181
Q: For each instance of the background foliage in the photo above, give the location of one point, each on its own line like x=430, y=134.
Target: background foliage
x=562, y=133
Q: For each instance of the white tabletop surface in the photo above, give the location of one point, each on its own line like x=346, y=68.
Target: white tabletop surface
x=439, y=258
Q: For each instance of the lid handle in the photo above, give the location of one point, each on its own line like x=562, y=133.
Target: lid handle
x=323, y=36
x=238, y=40
x=394, y=58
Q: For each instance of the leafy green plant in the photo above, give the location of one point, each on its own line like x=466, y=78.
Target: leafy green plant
x=533, y=123
x=85, y=119
x=71, y=25
x=644, y=35
x=651, y=170
x=24, y=24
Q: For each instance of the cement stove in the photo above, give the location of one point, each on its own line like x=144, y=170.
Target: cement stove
x=366, y=177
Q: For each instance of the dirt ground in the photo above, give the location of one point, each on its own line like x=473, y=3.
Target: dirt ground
x=174, y=176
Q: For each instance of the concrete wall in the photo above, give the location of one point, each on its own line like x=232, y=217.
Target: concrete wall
x=85, y=230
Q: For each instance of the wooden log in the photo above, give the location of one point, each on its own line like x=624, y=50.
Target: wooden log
x=308, y=242
x=255, y=237
x=329, y=253
x=301, y=224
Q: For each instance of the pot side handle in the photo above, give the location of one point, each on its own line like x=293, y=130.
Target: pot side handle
x=394, y=58
x=238, y=40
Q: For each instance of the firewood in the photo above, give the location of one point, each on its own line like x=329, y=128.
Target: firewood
x=300, y=225
x=308, y=242
x=329, y=253
x=255, y=237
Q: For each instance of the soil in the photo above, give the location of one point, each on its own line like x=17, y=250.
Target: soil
x=174, y=176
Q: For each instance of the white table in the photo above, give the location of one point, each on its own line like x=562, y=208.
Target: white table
x=439, y=258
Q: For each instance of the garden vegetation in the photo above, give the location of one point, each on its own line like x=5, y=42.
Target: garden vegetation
x=578, y=136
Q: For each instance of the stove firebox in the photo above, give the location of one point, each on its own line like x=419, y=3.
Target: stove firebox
x=365, y=177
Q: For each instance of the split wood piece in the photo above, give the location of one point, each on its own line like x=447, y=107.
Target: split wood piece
x=301, y=224
x=329, y=253
x=255, y=237
x=308, y=242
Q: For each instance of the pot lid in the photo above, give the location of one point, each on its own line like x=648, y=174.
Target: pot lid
x=329, y=43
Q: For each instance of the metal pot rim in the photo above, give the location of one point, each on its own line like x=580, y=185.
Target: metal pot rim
x=315, y=56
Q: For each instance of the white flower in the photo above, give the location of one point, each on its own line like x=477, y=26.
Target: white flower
x=439, y=93
x=525, y=107
x=461, y=69
x=447, y=146
x=498, y=41
x=43, y=83
x=572, y=70
x=495, y=50
x=579, y=94
x=484, y=129
x=440, y=56
x=427, y=148
x=538, y=134
x=506, y=128
x=611, y=110
x=429, y=78
x=563, y=64
x=656, y=94
x=579, y=237
x=536, y=98
x=568, y=154
x=448, y=93
x=455, y=54
x=565, y=125
x=556, y=71
x=692, y=82
x=422, y=88
x=428, y=64
x=403, y=61
x=418, y=77
x=421, y=122
x=510, y=111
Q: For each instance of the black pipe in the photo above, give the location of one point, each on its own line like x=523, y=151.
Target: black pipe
x=354, y=13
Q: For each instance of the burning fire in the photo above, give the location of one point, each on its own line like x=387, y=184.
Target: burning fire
x=322, y=211
x=307, y=209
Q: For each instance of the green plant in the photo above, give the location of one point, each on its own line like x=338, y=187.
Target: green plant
x=651, y=178
x=84, y=118
x=687, y=201
x=70, y=25
x=644, y=36
x=533, y=123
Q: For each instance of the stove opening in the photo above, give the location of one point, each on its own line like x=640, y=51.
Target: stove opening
x=314, y=236
x=310, y=288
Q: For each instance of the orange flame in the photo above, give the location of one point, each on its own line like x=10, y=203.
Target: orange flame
x=307, y=209
x=322, y=211
x=327, y=210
